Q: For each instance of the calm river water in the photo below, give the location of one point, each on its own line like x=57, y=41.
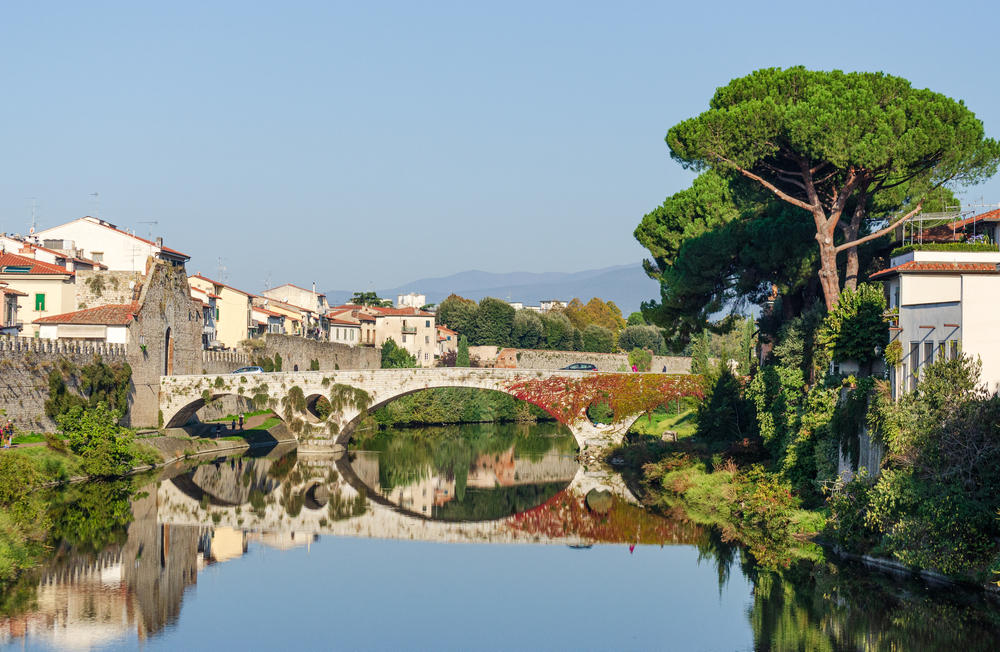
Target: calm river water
x=470, y=537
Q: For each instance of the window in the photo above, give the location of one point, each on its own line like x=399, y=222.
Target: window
x=954, y=349
x=942, y=350
x=427, y=339
x=97, y=256
x=914, y=364
x=40, y=302
x=216, y=314
x=928, y=352
x=427, y=323
x=404, y=339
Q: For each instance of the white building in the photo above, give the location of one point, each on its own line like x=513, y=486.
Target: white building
x=102, y=242
x=411, y=300
x=552, y=304
x=947, y=303
x=107, y=323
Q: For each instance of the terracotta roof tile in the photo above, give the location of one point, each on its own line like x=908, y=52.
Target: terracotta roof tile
x=915, y=266
x=110, y=315
x=36, y=266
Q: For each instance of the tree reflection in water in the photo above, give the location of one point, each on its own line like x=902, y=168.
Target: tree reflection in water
x=466, y=472
x=112, y=536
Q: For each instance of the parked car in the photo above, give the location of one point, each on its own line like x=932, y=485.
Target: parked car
x=581, y=366
x=249, y=370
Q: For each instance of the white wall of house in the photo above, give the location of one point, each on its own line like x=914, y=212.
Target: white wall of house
x=100, y=240
x=981, y=324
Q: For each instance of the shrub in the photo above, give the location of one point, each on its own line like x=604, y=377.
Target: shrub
x=94, y=434
x=641, y=358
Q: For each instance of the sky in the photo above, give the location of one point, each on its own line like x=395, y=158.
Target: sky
x=364, y=145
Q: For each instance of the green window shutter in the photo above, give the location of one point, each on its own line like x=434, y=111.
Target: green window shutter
x=39, y=302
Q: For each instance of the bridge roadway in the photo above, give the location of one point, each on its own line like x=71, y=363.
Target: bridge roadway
x=181, y=396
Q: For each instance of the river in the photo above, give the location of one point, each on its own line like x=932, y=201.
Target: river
x=439, y=538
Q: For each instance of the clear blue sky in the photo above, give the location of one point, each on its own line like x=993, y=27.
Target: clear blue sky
x=368, y=144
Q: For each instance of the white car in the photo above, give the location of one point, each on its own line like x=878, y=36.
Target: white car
x=249, y=370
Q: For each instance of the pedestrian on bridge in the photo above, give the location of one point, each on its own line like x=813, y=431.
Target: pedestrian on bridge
x=241, y=421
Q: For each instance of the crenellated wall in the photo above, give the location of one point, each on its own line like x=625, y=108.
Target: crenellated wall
x=298, y=352
x=223, y=362
x=25, y=364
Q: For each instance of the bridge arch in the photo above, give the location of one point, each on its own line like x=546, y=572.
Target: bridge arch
x=179, y=395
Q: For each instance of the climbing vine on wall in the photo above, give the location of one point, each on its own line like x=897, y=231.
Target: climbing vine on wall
x=567, y=399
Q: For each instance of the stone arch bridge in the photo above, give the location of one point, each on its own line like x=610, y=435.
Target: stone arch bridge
x=351, y=394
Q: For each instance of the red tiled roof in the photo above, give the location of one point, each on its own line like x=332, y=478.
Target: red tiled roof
x=110, y=315
x=401, y=312
x=959, y=268
x=989, y=216
x=36, y=266
x=87, y=261
x=208, y=280
x=344, y=322
x=11, y=291
x=270, y=313
x=447, y=330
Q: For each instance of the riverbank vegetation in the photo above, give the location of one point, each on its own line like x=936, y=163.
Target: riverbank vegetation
x=792, y=219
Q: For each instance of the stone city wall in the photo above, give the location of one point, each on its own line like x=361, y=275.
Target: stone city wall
x=103, y=287
x=542, y=359
x=297, y=353
x=223, y=362
x=25, y=364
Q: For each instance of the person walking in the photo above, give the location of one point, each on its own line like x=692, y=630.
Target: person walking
x=241, y=421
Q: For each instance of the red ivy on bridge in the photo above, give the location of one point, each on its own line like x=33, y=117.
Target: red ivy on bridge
x=567, y=399
x=566, y=515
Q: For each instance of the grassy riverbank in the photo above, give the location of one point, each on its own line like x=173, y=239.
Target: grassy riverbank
x=702, y=481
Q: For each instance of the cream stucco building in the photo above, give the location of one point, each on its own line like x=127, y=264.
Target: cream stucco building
x=232, y=310
x=44, y=289
x=947, y=303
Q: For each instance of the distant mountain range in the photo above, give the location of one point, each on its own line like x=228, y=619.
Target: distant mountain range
x=626, y=285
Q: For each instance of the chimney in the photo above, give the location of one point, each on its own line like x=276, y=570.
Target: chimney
x=70, y=264
x=159, y=242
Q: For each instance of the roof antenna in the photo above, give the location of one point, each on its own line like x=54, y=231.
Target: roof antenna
x=34, y=215
x=97, y=204
x=150, y=223
x=222, y=270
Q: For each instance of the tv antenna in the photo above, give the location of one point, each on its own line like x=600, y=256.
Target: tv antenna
x=34, y=215
x=97, y=204
x=222, y=270
x=150, y=223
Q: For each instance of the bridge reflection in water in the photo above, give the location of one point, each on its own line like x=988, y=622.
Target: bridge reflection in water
x=192, y=517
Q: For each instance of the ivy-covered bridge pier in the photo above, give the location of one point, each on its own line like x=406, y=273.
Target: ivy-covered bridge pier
x=322, y=408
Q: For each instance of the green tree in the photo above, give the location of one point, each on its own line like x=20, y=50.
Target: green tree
x=642, y=337
x=598, y=339
x=724, y=414
x=722, y=243
x=641, y=358
x=396, y=357
x=494, y=323
x=94, y=435
x=834, y=145
x=458, y=314
x=527, y=331
x=558, y=331
x=369, y=299
x=856, y=329
x=462, y=358
x=636, y=319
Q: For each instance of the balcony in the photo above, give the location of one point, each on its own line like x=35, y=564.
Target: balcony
x=409, y=330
